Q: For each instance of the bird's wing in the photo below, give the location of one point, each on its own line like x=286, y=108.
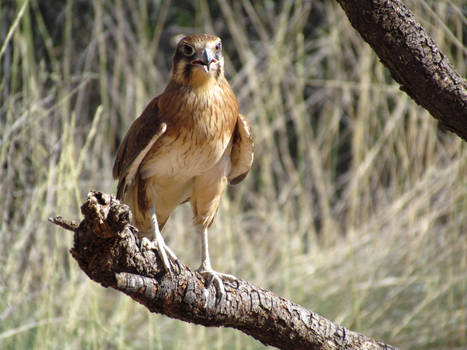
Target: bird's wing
x=242, y=151
x=142, y=135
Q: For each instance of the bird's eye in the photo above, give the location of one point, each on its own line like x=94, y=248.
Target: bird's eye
x=218, y=46
x=188, y=50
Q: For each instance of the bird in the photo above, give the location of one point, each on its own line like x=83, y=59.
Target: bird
x=188, y=144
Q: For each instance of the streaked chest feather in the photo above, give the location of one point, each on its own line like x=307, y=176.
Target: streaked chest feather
x=199, y=131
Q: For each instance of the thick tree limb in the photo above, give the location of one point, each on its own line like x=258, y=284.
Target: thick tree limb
x=108, y=251
x=413, y=59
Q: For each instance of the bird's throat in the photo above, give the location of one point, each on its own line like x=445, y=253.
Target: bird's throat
x=201, y=80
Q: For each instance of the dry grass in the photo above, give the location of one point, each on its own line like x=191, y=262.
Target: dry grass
x=356, y=206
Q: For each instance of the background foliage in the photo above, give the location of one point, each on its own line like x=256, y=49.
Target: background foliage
x=356, y=207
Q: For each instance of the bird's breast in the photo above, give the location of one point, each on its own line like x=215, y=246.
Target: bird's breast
x=196, y=139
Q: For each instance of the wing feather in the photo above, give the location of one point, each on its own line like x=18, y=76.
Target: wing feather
x=242, y=151
x=140, y=138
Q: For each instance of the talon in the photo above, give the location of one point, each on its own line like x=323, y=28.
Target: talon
x=161, y=250
x=158, y=244
x=219, y=287
x=146, y=244
x=215, y=277
x=179, y=264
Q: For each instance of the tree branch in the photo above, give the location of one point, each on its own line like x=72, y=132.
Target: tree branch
x=107, y=249
x=413, y=59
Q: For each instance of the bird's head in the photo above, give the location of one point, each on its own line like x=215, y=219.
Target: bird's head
x=198, y=61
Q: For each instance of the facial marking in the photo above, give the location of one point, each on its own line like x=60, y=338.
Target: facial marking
x=198, y=60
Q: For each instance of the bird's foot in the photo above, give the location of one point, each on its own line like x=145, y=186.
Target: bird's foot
x=215, y=277
x=164, y=252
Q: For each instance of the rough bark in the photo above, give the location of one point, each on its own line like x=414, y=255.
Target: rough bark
x=107, y=249
x=413, y=59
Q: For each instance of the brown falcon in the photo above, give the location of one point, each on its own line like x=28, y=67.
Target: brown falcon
x=188, y=143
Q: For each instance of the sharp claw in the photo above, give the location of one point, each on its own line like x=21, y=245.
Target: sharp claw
x=153, y=245
x=179, y=264
x=146, y=244
x=210, y=281
x=215, y=277
x=219, y=286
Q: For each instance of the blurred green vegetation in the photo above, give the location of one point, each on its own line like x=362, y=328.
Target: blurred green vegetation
x=356, y=206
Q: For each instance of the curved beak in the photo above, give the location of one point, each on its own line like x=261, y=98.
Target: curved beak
x=205, y=59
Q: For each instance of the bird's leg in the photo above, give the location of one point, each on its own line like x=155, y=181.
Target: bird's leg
x=205, y=268
x=159, y=244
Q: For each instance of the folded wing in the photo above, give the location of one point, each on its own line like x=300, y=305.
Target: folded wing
x=242, y=151
x=140, y=138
